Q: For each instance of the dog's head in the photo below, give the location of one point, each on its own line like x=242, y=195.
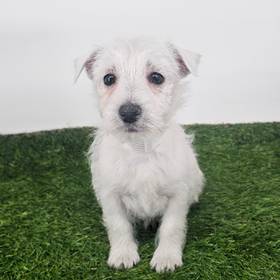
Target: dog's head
x=138, y=82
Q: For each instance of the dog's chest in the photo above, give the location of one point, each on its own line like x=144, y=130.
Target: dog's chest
x=142, y=181
x=144, y=193
x=144, y=205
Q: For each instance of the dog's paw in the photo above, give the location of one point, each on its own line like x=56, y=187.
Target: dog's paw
x=166, y=260
x=125, y=257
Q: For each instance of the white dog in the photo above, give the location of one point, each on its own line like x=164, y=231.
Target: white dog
x=143, y=164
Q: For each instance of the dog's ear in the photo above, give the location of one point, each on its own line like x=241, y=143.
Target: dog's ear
x=85, y=62
x=188, y=61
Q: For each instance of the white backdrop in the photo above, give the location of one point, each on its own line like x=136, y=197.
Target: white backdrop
x=239, y=75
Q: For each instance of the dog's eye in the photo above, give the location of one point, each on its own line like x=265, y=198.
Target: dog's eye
x=156, y=78
x=109, y=79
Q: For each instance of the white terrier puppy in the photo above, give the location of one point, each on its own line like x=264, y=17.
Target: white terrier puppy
x=143, y=165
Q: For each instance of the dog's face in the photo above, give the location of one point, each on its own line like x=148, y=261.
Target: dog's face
x=138, y=83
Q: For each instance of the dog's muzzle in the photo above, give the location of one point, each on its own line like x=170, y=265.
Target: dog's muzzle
x=129, y=112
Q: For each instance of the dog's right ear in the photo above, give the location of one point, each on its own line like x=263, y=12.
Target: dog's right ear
x=85, y=62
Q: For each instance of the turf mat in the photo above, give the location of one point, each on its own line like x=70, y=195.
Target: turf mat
x=50, y=223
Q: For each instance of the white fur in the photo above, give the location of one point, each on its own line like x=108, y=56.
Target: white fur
x=152, y=172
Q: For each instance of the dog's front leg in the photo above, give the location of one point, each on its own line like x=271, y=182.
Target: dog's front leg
x=168, y=254
x=123, y=251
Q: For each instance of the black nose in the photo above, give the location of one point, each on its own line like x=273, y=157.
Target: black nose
x=130, y=112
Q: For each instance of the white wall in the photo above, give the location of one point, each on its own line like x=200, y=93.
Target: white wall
x=239, y=75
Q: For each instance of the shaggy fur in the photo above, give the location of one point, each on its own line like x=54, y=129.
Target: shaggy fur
x=147, y=169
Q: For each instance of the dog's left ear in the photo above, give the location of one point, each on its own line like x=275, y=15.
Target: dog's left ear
x=85, y=62
x=188, y=61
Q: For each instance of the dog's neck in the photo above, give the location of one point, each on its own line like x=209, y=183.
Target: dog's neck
x=142, y=143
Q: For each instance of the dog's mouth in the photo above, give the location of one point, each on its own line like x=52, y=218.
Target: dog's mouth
x=131, y=128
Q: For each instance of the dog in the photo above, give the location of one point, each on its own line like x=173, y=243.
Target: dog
x=143, y=164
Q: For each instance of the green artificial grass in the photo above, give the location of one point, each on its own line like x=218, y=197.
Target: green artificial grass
x=50, y=223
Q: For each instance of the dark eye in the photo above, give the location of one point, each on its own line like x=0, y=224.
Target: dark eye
x=109, y=79
x=156, y=78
